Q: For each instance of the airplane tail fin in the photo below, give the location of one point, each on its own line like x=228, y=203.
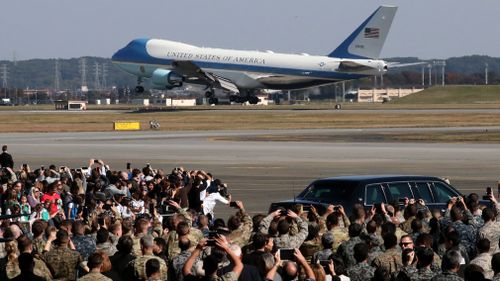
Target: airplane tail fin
x=368, y=39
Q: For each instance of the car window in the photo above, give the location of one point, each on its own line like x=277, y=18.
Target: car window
x=442, y=192
x=329, y=192
x=424, y=192
x=399, y=190
x=374, y=194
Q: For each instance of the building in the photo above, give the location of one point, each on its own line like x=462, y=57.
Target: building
x=383, y=95
x=70, y=105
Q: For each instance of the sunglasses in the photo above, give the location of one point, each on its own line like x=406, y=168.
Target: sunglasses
x=405, y=243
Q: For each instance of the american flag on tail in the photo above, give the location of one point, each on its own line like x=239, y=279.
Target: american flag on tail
x=371, y=32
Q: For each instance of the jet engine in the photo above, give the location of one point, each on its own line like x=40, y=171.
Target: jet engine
x=166, y=79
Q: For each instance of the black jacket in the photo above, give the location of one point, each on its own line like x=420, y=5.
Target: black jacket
x=6, y=160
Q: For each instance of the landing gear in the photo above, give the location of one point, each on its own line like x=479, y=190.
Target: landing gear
x=253, y=100
x=213, y=101
x=139, y=89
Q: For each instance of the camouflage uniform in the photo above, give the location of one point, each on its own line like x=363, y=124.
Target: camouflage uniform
x=136, y=248
x=194, y=235
x=447, y=276
x=491, y=231
x=360, y=272
x=467, y=234
x=339, y=235
x=40, y=269
x=94, y=276
x=139, y=266
x=286, y=240
x=346, y=250
x=230, y=276
x=423, y=274
x=107, y=247
x=390, y=260
x=178, y=263
x=85, y=245
x=322, y=255
x=484, y=261
x=63, y=262
x=308, y=248
x=241, y=236
x=406, y=225
x=407, y=270
x=39, y=245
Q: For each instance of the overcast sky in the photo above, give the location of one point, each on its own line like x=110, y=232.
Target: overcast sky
x=66, y=29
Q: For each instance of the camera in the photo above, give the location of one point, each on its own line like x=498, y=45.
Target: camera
x=233, y=204
x=128, y=166
x=489, y=192
x=287, y=254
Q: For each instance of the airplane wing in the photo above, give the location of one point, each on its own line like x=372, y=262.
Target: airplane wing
x=194, y=72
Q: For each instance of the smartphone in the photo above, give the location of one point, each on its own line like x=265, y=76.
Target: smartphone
x=324, y=263
x=287, y=254
x=212, y=234
x=85, y=168
x=25, y=166
x=210, y=242
x=148, y=165
x=96, y=161
x=488, y=190
x=233, y=204
x=128, y=166
x=42, y=168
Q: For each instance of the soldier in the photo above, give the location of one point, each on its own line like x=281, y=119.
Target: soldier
x=450, y=267
x=483, y=259
x=62, y=260
x=362, y=270
x=210, y=263
x=139, y=264
x=491, y=227
x=26, y=265
x=391, y=258
x=95, y=264
x=25, y=245
x=179, y=260
x=495, y=265
x=346, y=248
x=284, y=239
x=103, y=243
x=327, y=241
x=425, y=258
x=84, y=244
x=333, y=225
x=38, y=229
x=467, y=232
x=240, y=226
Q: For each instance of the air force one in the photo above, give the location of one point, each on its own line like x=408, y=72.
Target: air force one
x=170, y=64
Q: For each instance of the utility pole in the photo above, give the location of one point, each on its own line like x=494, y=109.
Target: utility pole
x=83, y=72
x=57, y=76
x=430, y=74
x=5, y=77
x=486, y=74
x=104, y=76
x=423, y=76
x=442, y=64
x=97, y=85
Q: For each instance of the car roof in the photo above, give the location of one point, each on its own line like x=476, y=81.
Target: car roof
x=379, y=178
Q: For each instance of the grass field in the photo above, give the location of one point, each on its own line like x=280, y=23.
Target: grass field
x=22, y=119
x=462, y=95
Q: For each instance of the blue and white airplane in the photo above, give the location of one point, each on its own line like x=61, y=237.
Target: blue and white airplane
x=170, y=64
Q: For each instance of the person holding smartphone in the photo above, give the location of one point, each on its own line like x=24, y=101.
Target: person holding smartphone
x=211, y=200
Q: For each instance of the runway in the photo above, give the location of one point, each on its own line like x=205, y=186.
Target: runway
x=260, y=172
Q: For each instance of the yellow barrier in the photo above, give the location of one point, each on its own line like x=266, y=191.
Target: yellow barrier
x=127, y=125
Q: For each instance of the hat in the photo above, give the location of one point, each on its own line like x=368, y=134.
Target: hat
x=328, y=238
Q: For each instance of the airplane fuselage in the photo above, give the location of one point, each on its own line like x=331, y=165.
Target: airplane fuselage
x=246, y=69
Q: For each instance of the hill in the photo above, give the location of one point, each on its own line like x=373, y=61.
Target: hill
x=454, y=95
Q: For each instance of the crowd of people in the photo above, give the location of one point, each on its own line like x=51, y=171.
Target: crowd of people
x=96, y=223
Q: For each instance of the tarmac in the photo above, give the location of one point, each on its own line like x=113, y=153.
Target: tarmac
x=260, y=172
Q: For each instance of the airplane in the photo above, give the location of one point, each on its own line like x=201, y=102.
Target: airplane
x=170, y=64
